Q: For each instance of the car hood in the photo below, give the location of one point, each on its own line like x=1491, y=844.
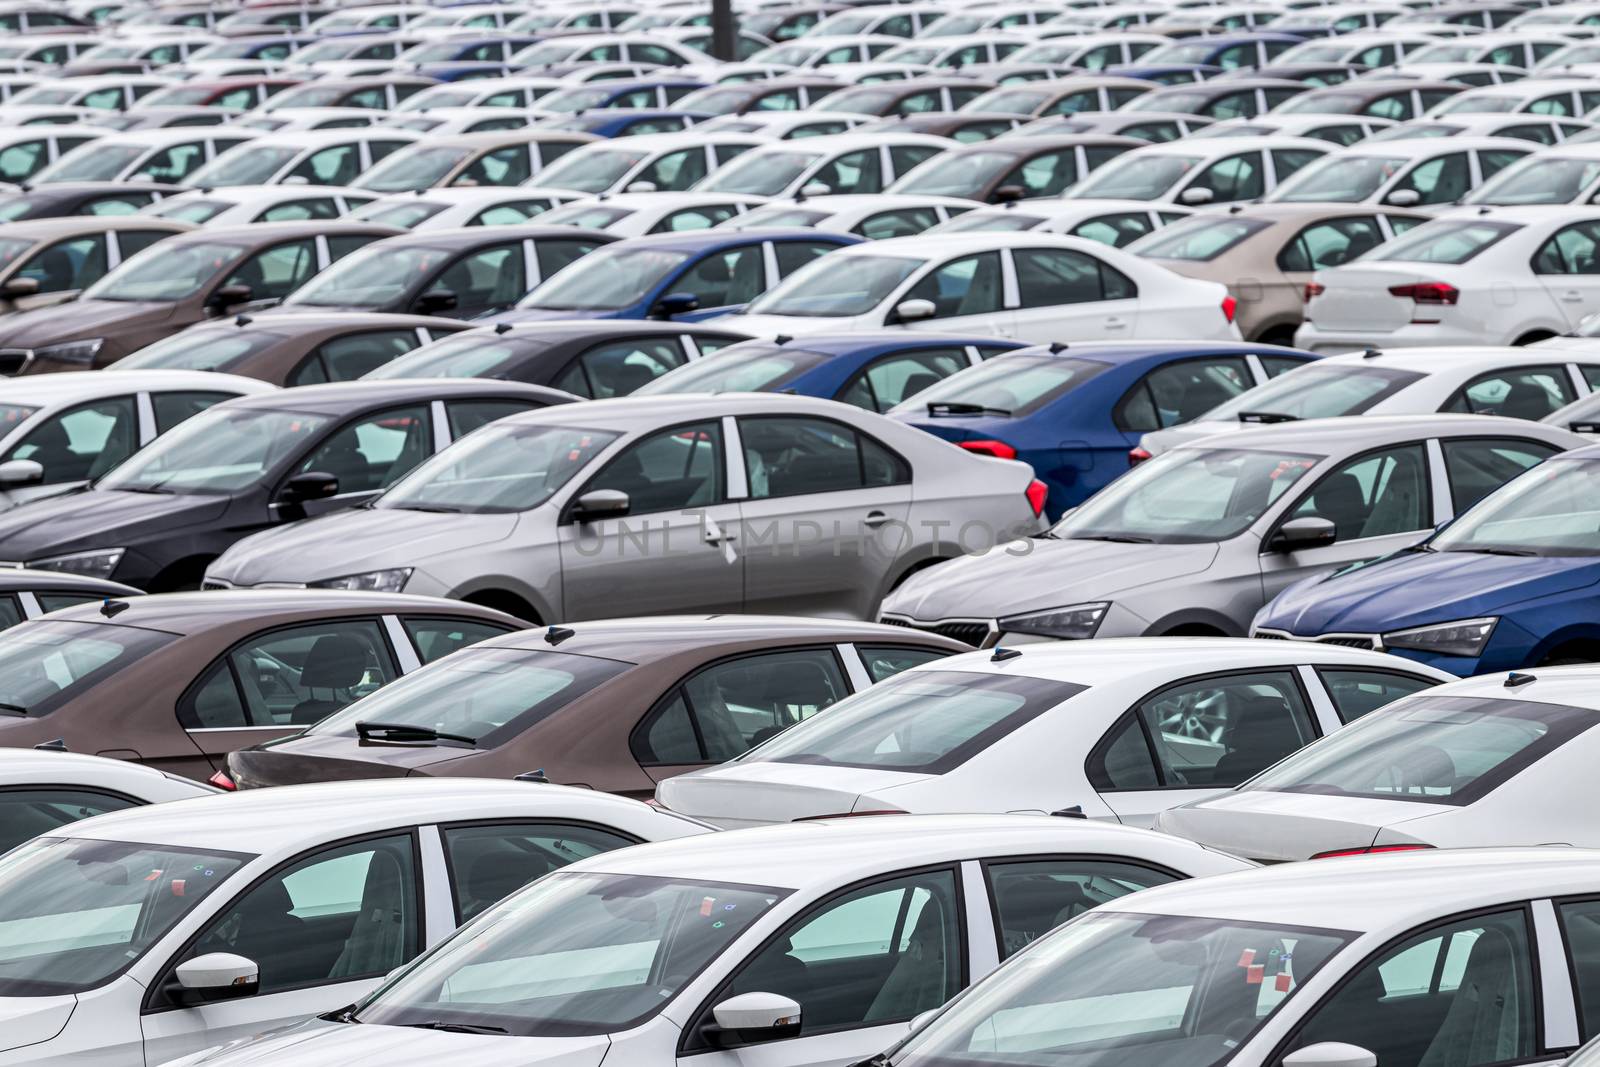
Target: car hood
x=1262, y=825
x=69, y=322
x=1052, y=574
x=323, y=1044
x=1416, y=588
x=354, y=541
x=98, y=518
x=27, y=1021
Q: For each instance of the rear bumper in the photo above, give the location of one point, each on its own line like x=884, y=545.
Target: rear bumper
x=1324, y=341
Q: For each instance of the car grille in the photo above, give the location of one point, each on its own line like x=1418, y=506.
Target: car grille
x=12, y=360
x=1369, y=641
x=973, y=631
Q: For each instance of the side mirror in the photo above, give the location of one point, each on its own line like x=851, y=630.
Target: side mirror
x=816, y=189
x=436, y=300
x=601, y=504
x=15, y=472
x=752, y=1018
x=312, y=485
x=1196, y=195
x=215, y=976
x=229, y=295
x=1402, y=198
x=675, y=304
x=1308, y=531
x=1008, y=194
x=1330, y=1054
x=914, y=310
x=641, y=187
x=21, y=287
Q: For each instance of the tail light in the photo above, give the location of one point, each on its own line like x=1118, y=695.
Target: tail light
x=1426, y=294
x=850, y=814
x=1370, y=851
x=1137, y=456
x=1229, y=306
x=1036, y=493
x=998, y=449
x=1314, y=289
x=221, y=780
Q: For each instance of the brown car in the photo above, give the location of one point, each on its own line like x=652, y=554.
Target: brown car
x=47, y=261
x=497, y=158
x=1266, y=254
x=616, y=705
x=303, y=349
x=189, y=278
x=179, y=680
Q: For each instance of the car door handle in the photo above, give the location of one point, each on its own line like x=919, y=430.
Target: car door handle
x=1572, y=295
x=1114, y=323
x=717, y=537
x=874, y=519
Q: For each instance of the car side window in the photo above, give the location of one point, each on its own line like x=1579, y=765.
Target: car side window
x=1181, y=392
x=1459, y=992
x=1438, y=181
x=11, y=611
x=466, y=416
x=1033, y=897
x=504, y=166
x=853, y=172
x=57, y=601
x=1373, y=495
x=489, y=862
x=724, y=710
x=344, y=359
x=81, y=442
x=1046, y=174
x=792, y=255
x=886, y=661
x=888, y=380
x=28, y=812
x=1114, y=230
x=345, y=913
x=1330, y=243
x=374, y=452
x=1356, y=692
x=1049, y=276
x=331, y=166
x=734, y=276
x=788, y=456
x=1233, y=178
x=290, y=677
x=1204, y=733
x=901, y=223
x=1477, y=467
x=676, y=171
x=121, y=204
x=493, y=277
x=669, y=470
x=72, y=264
x=1580, y=922
x=694, y=218
x=1288, y=160
x=509, y=214
x=18, y=162
x=320, y=207
x=172, y=164
x=173, y=408
x=970, y=285
x=274, y=273
x=436, y=637
x=1276, y=365
x=341, y=245
x=1524, y=393
x=619, y=368
x=1570, y=250
x=553, y=255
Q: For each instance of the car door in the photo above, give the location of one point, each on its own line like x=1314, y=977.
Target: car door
x=1198, y=737
x=324, y=929
x=676, y=549
x=968, y=296
x=1063, y=294
x=1568, y=268
x=823, y=518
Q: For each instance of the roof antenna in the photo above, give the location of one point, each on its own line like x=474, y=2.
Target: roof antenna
x=243, y=320
x=112, y=608
x=58, y=745
x=502, y=327
x=533, y=776
x=1057, y=346
x=557, y=634
x=1516, y=678
x=1372, y=353
x=1003, y=654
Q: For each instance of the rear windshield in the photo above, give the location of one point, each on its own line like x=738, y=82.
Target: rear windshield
x=1432, y=749
x=1199, y=239
x=1443, y=242
x=46, y=663
x=1317, y=391
x=1014, y=384
x=923, y=722
x=751, y=367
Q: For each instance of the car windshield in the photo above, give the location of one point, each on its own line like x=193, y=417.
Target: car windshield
x=1551, y=510
x=370, y=278
x=417, y=167
x=579, y=98
x=1429, y=749
x=76, y=912
x=1540, y=179
x=252, y=165
x=201, y=349
x=503, y=468
x=588, y=216
x=185, y=210
x=11, y=248
x=1314, y=103
x=592, y=171
x=1115, y=989
x=470, y=354
x=750, y=367
x=606, y=279
x=1004, y=221
x=715, y=101
x=1014, y=384
x=217, y=451
x=820, y=290
x=1181, y=53
x=1469, y=104
x=760, y=173
x=956, y=174
x=166, y=272
x=1340, y=178
x=440, y=97
x=1443, y=241
x=1136, y=177
x=1199, y=239
x=44, y=664
x=309, y=96
x=389, y=212
x=573, y=954
x=1188, y=496
x=922, y=722
x=98, y=162
x=1317, y=391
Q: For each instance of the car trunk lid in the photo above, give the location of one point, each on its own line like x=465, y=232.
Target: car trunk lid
x=1274, y=827
x=756, y=793
x=1359, y=300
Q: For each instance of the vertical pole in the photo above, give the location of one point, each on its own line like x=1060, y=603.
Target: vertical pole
x=723, y=30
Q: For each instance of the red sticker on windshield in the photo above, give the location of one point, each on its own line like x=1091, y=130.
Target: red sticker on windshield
x=1247, y=957
x=177, y=887
x=1255, y=973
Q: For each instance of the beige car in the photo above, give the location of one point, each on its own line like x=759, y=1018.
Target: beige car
x=1266, y=254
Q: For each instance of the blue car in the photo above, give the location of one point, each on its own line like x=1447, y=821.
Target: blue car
x=1075, y=411
x=1513, y=582
x=871, y=370
x=684, y=277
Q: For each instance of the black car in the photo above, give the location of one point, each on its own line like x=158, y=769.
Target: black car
x=82, y=198
x=460, y=273
x=592, y=358
x=158, y=519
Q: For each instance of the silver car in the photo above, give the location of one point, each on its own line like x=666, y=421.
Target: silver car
x=1197, y=540
x=752, y=502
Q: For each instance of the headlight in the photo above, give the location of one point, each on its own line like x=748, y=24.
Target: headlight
x=1464, y=638
x=389, y=581
x=71, y=352
x=97, y=564
x=1071, y=623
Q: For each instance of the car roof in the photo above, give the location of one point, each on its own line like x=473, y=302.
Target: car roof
x=1576, y=686
x=308, y=318
x=344, y=398
x=555, y=331
x=190, y=613
x=261, y=233
x=39, y=766
x=45, y=390
x=73, y=225
x=473, y=236
x=634, y=639
x=1339, y=435
x=1464, y=359
x=24, y=578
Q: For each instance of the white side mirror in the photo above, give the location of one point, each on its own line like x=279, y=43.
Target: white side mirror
x=750, y=1018
x=216, y=976
x=1331, y=1054
x=1197, y=195
x=642, y=187
x=17, y=472
x=816, y=189
x=1405, y=198
x=914, y=310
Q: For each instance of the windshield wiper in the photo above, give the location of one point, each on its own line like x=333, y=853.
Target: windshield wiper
x=459, y=1028
x=1267, y=417
x=14, y=709
x=434, y=508
x=400, y=731
x=1121, y=539
x=1497, y=551
x=962, y=407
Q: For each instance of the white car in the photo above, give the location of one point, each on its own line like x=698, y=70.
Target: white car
x=871, y=215
x=450, y=121
x=237, y=205
x=510, y=92
x=1467, y=957
x=647, y=163
x=1529, y=383
x=639, y=214
x=1551, y=95
x=43, y=790
x=1429, y=171
x=1434, y=285
x=1340, y=129
x=1111, y=222
x=1036, y=288
x=812, y=51
x=1569, y=174
x=839, y=163
x=1544, y=129
x=1115, y=730
x=143, y=935
x=1210, y=170
x=776, y=947
x=313, y=157
x=786, y=125
x=297, y=119
x=1491, y=760
x=160, y=155
x=452, y=207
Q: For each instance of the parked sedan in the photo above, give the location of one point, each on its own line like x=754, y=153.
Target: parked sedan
x=249, y=912
x=81, y=198
x=655, y=505
x=158, y=519
x=1426, y=172
x=1014, y=167
x=775, y=936
x=236, y=205
x=1205, y=170
x=841, y=163
x=48, y=261
x=505, y=157
x=1197, y=540
x=162, y=155
x=1112, y=222
x=313, y=157
x=183, y=280
x=43, y=790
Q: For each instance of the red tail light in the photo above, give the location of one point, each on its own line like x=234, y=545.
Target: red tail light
x=1427, y=292
x=1036, y=493
x=850, y=814
x=998, y=449
x=1229, y=306
x=222, y=781
x=1137, y=456
x=1371, y=851
x=1314, y=289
